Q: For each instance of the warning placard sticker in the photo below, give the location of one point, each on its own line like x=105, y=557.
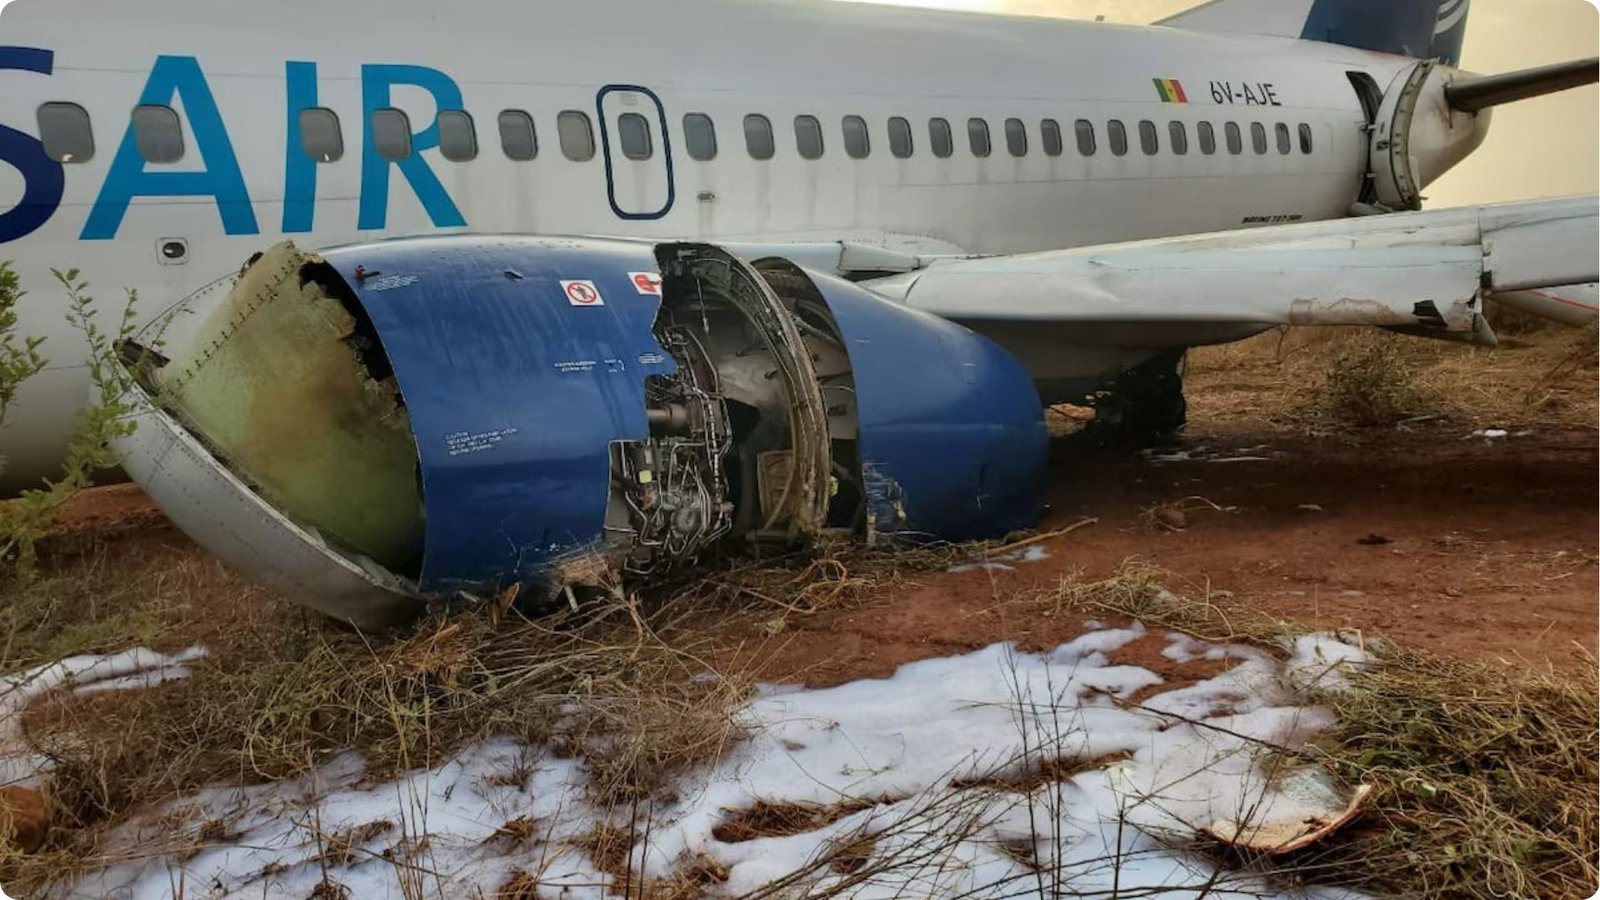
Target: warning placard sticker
x=582, y=293
x=646, y=282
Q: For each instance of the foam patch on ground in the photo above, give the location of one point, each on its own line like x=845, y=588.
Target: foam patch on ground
x=20, y=766
x=993, y=774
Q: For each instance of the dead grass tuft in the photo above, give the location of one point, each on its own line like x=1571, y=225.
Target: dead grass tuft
x=1372, y=382
x=522, y=885
x=1484, y=775
x=1485, y=779
x=766, y=819
x=1294, y=377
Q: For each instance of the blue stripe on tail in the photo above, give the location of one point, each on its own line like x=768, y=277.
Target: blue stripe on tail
x=1426, y=29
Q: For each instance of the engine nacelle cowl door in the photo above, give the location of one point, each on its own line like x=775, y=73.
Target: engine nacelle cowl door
x=1393, y=167
x=1418, y=136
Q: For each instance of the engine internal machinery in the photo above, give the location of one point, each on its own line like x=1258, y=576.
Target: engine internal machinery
x=753, y=437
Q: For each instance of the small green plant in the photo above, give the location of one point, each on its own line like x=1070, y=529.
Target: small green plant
x=20, y=358
x=1372, y=383
x=23, y=521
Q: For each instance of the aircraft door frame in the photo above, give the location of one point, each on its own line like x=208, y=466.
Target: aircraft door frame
x=615, y=161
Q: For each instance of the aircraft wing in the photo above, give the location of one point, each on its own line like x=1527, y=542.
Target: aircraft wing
x=1422, y=273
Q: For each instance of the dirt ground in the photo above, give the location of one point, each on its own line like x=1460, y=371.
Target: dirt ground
x=1488, y=552
x=1476, y=547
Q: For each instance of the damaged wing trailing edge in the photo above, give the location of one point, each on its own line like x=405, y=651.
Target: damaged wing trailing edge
x=374, y=426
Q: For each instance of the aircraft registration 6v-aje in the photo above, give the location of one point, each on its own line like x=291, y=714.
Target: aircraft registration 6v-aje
x=848, y=251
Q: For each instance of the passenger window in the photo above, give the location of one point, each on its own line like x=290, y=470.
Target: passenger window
x=64, y=128
x=1305, y=138
x=576, y=135
x=1282, y=130
x=517, y=137
x=939, y=136
x=857, y=143
x=1147, y=137
x=458, y=137
x=978, y=136
x=1119, y=137
x=700, y=134
x=758, y=136
x=633, y=132
x=1208, y=138
x=1050, y=135
x=1235, y=142
x=1258, y=138
x=320, y=136
x=900, y=143
x=1178, y=137
x=1084, y=129
x=391, y=134
x=1016, y=137
x=157, y=133
x=808, y=137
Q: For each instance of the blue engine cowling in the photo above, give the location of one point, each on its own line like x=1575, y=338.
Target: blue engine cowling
x=584, y=404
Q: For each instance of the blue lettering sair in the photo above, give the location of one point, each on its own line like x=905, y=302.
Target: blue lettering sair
x=299, y=169
x=180, y=77
x=376, y=81
x=43, y=181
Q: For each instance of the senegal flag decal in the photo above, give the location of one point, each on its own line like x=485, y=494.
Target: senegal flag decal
x=1170, y=90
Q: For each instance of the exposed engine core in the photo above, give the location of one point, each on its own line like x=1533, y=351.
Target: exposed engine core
x=390, y=423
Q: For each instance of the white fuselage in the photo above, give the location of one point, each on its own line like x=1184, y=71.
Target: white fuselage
x=120, y=216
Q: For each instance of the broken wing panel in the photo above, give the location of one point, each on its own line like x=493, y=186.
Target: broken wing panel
x=1421, y=272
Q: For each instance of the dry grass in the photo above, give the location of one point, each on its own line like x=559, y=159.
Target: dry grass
x=1485, y=775
x=624, y=685
x=1328, y=380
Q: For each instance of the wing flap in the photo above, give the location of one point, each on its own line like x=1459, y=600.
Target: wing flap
x=1422, y=272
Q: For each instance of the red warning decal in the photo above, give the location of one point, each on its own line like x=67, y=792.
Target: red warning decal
x=646, y=282
x=582, y=293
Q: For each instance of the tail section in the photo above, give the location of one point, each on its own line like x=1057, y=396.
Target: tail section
x=1425, y=29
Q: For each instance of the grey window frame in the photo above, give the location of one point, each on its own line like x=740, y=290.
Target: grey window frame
x=1178, y=137
x=808, y=139
x=1149, y=138
x=1083, y=132
x=1208, y=138
x=978, y=138
x=902, y=145
x=1117, y=137
x=629, y=143
x=1016, y=137
x=458, y=135
x=311, y=115
x=518, y=147
x=567, y=123
x=1235, y=139
x=1285, y=145
x=66, y=142
x=700, y=136
x=154, y=148
x=1050, y=137
x=382, y=119
x=857, y=137
x=1307, y=144
x=758, y=137
x=1258, y=138
x=941, y=139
